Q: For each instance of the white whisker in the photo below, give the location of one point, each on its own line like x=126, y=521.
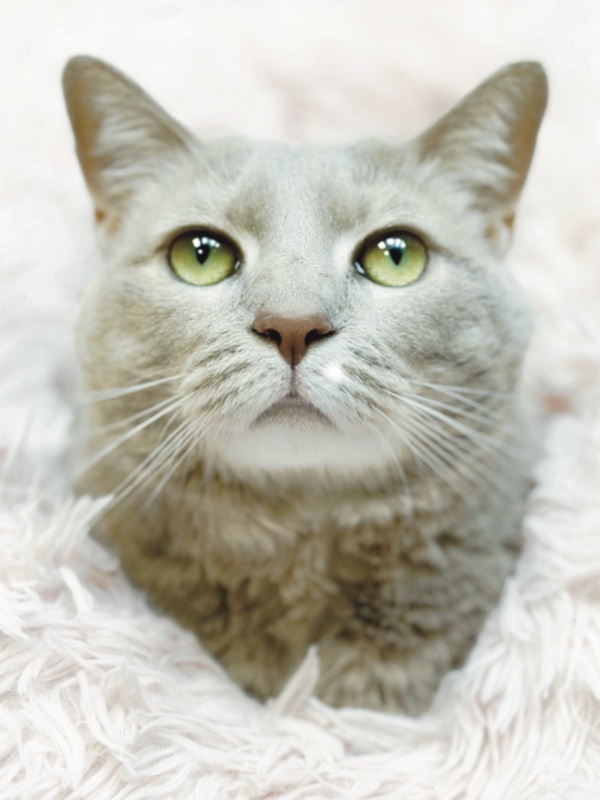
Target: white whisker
x=396, y=461
x=100, y=395
x=424, y=454
x=463, y=390
x=115, y=443
x=186, y=445
x=490, y=417
x=466, y=395
x=456, y=455
x=110, y=426
x=442, y=468
x=150, y=465
x=474, y=435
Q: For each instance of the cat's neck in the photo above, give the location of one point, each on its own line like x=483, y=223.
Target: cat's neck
x=238, y=515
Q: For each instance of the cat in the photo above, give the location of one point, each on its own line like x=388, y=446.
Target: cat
x=302, y=369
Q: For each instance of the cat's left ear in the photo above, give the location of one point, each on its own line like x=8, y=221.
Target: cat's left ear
x=122, y=135
x=485, y=144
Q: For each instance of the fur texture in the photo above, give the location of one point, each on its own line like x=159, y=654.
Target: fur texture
x=104, y=698
x=366, y=498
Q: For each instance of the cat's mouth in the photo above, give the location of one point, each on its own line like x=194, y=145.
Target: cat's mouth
x=293, y=408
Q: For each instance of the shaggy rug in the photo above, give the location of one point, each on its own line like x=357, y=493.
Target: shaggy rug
x=101, y=698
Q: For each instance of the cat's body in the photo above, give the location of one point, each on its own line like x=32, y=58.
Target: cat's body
x=302, y=455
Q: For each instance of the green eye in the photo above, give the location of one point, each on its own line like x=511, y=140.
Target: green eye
x=394, y=260
x=200, y=258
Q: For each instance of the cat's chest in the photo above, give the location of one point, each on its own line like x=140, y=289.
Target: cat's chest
x=314, y=566
x=259, y=588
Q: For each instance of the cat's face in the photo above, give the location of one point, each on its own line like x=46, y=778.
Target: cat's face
x=268, y=325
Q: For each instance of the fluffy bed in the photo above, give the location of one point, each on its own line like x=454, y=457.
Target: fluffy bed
x=104, y=699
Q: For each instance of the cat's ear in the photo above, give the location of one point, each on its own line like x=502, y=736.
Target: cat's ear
x=485, y=143
x=120, y=132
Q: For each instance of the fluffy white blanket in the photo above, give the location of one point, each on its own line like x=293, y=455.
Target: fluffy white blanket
x=103, y=699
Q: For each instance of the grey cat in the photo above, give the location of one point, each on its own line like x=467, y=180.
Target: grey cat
x=303, y=375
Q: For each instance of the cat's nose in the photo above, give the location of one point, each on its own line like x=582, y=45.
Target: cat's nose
x=292, y=335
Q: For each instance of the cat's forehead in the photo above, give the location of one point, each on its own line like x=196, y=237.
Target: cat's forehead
x=284, y=196
x=273, y=185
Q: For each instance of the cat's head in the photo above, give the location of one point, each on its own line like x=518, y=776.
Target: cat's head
x=303, y=307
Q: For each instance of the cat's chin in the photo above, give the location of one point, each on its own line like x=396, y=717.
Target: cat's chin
x=307, y=441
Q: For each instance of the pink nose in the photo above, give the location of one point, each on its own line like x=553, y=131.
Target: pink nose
x=292, y=335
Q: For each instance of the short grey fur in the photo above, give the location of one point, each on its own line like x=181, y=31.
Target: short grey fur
x=298, y=454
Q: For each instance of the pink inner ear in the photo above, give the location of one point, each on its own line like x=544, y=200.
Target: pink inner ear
x=499, y=231
x=109, y=221
x=508, y=219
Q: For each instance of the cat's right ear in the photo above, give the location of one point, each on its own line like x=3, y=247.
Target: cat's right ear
x=484, y=145
x=121, y=134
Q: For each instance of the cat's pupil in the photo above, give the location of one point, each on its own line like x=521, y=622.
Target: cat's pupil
x=395, y=249
x=395, y=254
x=203, y=248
